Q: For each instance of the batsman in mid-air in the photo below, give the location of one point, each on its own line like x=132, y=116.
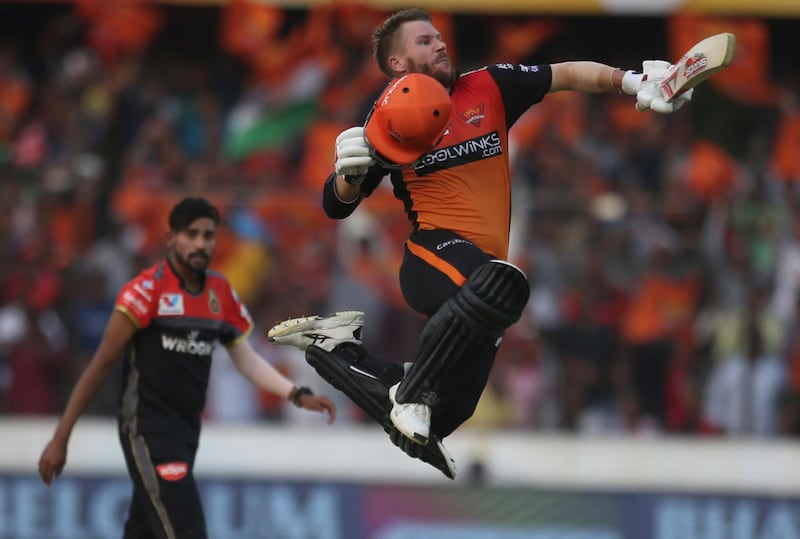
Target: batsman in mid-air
x=441, y=137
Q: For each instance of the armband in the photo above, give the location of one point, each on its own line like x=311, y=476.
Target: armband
x=297, y=392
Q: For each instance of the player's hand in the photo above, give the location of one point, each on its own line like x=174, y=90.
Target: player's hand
x=52, y=461
x=650, y=96
x=319, y=403
x=353, y=155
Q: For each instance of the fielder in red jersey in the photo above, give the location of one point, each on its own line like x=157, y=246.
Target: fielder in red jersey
x=164, y=326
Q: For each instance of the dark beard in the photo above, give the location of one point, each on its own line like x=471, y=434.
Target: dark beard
x=187, y=263
x=445, y=79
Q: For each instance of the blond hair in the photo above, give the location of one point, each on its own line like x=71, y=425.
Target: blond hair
x=384, y=38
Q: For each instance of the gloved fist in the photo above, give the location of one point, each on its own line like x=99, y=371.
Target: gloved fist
x=352, y=153
x=650, y=96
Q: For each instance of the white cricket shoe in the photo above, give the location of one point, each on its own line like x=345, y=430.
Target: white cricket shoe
x=324, y=331
x=449, y=461
x=412, y=419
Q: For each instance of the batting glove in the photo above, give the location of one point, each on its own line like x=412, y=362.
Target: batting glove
x=353, y=156
x=650, y=96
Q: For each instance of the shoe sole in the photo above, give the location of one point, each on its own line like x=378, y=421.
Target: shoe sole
x=304, y=323
x=448, y=459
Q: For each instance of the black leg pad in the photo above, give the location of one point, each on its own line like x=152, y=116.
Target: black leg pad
x=350, y=370
x=456, y=336
x=366, y=381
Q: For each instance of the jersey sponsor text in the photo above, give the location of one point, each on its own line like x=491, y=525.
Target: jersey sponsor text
x=186, y=346
x=172, y=471
x=468, y=151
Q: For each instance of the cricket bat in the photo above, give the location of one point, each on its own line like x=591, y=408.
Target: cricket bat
x=705, y=58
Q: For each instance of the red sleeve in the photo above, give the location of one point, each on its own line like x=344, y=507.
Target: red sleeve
x=137, y=300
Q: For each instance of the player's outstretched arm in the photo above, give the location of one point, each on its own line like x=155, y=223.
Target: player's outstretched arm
x=587, y=77
x=266, y=377
x=594, y=77
x=118, y=332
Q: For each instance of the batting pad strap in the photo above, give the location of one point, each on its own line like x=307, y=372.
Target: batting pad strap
x=454, y=338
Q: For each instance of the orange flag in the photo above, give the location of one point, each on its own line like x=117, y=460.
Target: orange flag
x=710, y=171
x=248, y=26
x=120, y=26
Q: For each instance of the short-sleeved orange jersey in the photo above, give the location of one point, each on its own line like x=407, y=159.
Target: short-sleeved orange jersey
x=464, y=184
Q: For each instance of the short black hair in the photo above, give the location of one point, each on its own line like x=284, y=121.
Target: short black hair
x=189, y=209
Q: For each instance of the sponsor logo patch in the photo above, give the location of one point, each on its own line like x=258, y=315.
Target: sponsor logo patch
x=170, y=304
x=468, y=151
x=143, y=292
x=134, y=303
x=172, y=471
x=191, y=345
x=695, y=65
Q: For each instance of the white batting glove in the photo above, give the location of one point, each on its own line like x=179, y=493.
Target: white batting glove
x=352, y=153
x=650, y=96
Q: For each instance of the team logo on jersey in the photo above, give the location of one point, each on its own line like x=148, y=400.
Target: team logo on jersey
x=170, y=304
x=473, y=116
x=213, y=302
x=172, y=471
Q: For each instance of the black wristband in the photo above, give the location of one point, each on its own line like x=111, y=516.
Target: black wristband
x=299, y=392
x=353, y=180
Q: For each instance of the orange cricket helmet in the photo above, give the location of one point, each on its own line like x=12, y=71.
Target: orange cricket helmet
x=408, y=119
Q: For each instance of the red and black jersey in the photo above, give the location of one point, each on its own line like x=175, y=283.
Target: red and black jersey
x=167, y=363
x=464, y=184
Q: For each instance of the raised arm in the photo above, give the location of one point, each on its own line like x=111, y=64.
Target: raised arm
x=594, y=77
x=589, y=77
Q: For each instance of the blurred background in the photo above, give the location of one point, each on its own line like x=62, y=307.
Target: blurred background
x=663, y=251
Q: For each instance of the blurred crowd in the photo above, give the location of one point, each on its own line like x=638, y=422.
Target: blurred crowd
x=663, y=251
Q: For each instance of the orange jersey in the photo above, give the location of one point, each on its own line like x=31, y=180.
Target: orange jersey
x=464, y=184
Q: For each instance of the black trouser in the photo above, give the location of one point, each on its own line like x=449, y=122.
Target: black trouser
x=165, y=503
x=435, y=265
